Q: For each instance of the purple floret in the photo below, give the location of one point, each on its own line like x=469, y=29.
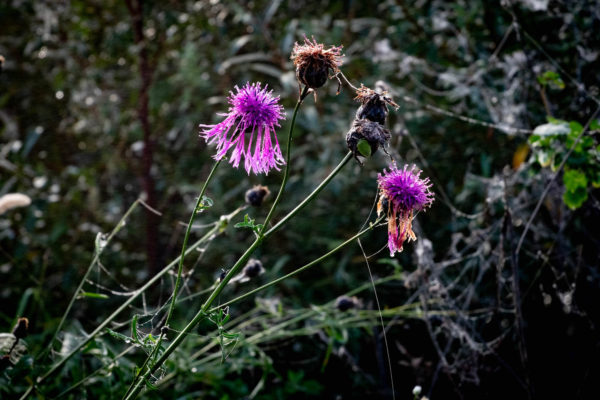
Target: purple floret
x=405, y=189
x=253, y=112
x=401, y=193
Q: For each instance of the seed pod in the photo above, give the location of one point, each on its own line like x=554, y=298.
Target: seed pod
x=257, y=195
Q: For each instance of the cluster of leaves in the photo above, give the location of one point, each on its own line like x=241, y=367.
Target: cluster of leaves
x=551, y=143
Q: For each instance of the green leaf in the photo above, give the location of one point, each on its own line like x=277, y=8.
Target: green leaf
x=576, y=128
x=534, y=138
x=150, y=385
x=134, y=332
x=249, y=223
x=552, y=79
x=364, y=148
x=574, y=180
x=95, y=295
x=575, y=199
x=205, y=203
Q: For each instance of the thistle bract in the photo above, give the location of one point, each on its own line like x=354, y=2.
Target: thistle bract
x=401, y=193
x=249, y=128
x=314, y=63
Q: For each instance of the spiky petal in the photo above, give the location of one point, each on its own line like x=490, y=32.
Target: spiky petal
x=249, y=128
x=404, y=192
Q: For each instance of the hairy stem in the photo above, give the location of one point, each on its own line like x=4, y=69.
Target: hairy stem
x=195, y=211
x=286, y=172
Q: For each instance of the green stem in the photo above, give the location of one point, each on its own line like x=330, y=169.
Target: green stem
x=286, y=172
x=297, y=271
x=195, y=211
x=311, y=196
x=97, y=254
x=126, y=304
x=205, y=307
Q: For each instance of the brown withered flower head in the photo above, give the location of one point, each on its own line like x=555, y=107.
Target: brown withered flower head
x=314, y=63
x=257, y=195
x=374, y=104
x=373, y=133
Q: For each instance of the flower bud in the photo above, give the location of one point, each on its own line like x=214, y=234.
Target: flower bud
x=372, y=132
x=417, y=390
x=345, y=303
x=257, y=195
x=253, y=268
x=20, y=330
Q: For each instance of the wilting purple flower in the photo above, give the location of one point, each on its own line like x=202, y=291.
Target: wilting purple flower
x=402, y=193
x=253, y=111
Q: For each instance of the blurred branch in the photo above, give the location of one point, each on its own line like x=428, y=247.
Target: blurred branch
x=135, y=8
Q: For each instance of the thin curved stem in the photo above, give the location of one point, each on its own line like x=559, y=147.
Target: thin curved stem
x=298, y=270
x=286, y=172
x=179, y=271
x=97, y=254
x=215, y=230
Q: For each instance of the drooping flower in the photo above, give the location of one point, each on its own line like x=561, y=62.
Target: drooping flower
x=253, y=112
x=314, y=63
x=401, y=193
x=374, y=104
x=373, y=133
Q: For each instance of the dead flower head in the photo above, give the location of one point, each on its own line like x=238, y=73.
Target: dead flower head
x=374, y=104
x=314, y=63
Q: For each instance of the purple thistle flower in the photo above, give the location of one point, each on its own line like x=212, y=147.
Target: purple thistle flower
x=402, y=192
x=256, y=112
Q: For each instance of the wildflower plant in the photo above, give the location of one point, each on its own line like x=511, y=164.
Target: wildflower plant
x=247, y=135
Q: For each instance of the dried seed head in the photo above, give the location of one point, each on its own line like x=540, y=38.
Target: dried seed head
x=253, y=268
x=314, y=63
x=372, y=132
x=345, y=303
x=257, y=195
x=374, y=104
x=20, y=330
